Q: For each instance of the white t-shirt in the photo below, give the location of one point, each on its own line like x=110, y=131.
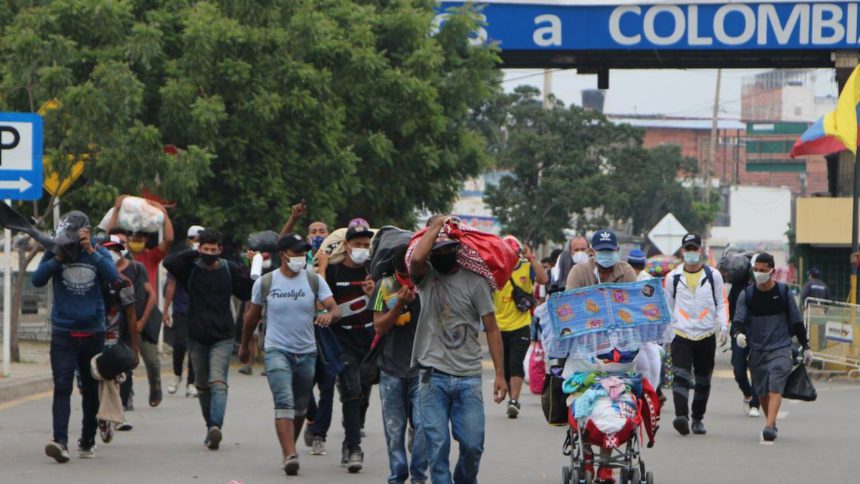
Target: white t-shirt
x=291, y=311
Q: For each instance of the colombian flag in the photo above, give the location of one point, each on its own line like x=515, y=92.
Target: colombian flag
x=837, y=130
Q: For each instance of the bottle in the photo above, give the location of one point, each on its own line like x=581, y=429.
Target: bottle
x=257, y=266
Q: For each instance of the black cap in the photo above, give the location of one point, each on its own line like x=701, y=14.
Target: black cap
x=691, y=239
x=293, y=242
x=358, y=231
x=443, y=240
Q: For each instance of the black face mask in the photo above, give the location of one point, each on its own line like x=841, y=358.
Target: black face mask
x=209, y=259
x=444, y=263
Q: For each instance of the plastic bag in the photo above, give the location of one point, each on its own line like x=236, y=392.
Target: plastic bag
x=799, y=386
x=384, y=242
x=266, y=241
x=734, y=266
x=536, y=368
x=136, y=215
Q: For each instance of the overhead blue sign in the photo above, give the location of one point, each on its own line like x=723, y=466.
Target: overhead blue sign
x=20, y=156
x=685, y=25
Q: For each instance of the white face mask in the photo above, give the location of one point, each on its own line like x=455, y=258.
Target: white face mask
x=115, y=257
x=580, y=257
x=195, y=246
x=267, y=263
x=761, y=278
x=359, y=256
x=691, y=258
x=297, y=263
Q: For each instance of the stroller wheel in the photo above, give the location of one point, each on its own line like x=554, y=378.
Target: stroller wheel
x=566, y=476
x=635, y=476
x=574, y=476
x=649, y=477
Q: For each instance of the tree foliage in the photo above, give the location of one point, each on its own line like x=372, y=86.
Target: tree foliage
x=573, y=168
x=359, y=107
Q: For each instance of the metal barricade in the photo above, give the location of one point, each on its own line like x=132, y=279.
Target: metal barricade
x=832, y=326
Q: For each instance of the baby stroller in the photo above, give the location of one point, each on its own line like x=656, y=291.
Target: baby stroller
x=633, y=417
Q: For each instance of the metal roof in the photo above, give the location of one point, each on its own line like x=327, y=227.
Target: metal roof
x=697, y=124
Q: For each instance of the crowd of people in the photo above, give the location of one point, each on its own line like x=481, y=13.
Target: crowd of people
x=318, y=319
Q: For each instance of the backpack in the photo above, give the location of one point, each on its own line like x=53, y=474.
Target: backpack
x=523, y=300
x=709, y=276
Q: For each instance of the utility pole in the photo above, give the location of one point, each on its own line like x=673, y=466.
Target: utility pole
x=712, y=147
x=845, y=62
x=547, y=89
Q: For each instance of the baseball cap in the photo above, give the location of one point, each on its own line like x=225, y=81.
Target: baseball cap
x=194, y=231
x=604, y=240
x=113, y=242
x=636, y=257
x=691, y=239
x=356, y=222
x=513, y=243
x=443, y=240
x=358, y=231
x=293, y=242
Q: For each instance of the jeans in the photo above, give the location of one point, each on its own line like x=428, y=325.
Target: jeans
x=320, y=412
x=400, y=405
x=741, y=367
x=692, y=357
x=458, y=400
x=352, y=396
x=212, y=363
x=149, y=355
x=67, y=354
x=291, y=378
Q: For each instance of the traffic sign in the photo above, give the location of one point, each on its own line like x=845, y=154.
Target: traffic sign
x=20, y=156
x=666, y=235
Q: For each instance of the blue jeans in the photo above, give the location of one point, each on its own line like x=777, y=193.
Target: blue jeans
x=320, y=411
x=400, y=405
x=68, y=354
x=211, y=363
x=291, y=378
x=458, y=400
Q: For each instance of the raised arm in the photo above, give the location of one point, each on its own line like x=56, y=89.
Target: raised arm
x=49, y=266
x=169, y=236
x=115, y=215
x=421, y=253
x=296, y=213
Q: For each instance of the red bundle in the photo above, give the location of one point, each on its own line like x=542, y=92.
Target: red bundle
x=482, y=253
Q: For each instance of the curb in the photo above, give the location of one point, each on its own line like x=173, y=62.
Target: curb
x=25, y=387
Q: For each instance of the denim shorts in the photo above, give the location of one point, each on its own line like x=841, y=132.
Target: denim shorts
x=291, y=378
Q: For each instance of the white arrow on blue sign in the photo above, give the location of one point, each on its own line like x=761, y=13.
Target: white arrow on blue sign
x=20, y=156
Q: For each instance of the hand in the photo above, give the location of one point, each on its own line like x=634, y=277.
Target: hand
x=250, y=254
x=166, y=320
x=244, y=353
x=119, y=200
x=807, y=356
x=323, y=320
x=405, y=295
x=741, y=340
x=500, y=389
x=528, y=253
x=156, y=205
x=368, y=285
x=322, y=256
x=724, y=339
x=299, y=209
x=84, y=235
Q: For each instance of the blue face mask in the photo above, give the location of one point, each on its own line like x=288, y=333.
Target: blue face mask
x=317, y=241
x=606, y=258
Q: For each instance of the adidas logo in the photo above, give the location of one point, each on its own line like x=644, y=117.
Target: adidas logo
x=605, y=236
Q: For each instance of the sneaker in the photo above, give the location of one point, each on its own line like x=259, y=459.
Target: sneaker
x=174, y=385
x=682, y=425
x=213, y=438
x=754, y=412
x=124, y=427
x=191, y=391
x=309, y=437
x=57, y=451
x=86, y=450
x=130, y=406
x=344, y=455
x=745, y=405
x=154, y=395
x=291, y=465
x=699, y=427
x=263, y=373
x=318, y=446
x=246, y=370
x=769, y=434
x=363, y=435
x=105, y=431
x=513, y=409
x=355, y=461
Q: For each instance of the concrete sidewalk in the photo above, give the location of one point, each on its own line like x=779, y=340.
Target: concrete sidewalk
x=32, y=375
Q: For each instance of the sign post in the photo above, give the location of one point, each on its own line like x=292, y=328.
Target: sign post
x=20, y=179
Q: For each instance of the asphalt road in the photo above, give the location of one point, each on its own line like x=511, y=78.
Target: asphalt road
x=817, y=443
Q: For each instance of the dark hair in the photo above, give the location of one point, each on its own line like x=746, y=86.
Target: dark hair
x=547, y=260
x=554, y=255
x=209, y=236
x=637, y=265
x=118, y=231
x=765, y=258
x=398, y=257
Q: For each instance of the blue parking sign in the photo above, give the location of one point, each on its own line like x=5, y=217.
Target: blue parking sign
x=20, y=156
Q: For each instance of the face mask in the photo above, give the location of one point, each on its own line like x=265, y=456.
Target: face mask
x=209, y=259
x=580, y=257
x=297, y=263
x=606, y=258
x=115, y=256
x=761, y=278
x=137, y=246
x=124, y=253
x=359, y=256
x=691, y=258
x=444, y=263
x=317, y=242
x=267, y=263
x=195, y=246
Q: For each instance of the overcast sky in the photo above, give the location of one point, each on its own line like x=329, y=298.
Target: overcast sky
x=673, y=92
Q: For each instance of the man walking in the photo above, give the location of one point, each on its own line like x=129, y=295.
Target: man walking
x=577, y=253
x=448, y=351
x=766, y=319
x=697, y=300
x=77, y=273
x=289, y=296
x=210, y=282
x=814, y=287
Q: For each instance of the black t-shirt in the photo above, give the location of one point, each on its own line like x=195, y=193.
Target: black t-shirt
x=354, y=331
x=768, y=303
